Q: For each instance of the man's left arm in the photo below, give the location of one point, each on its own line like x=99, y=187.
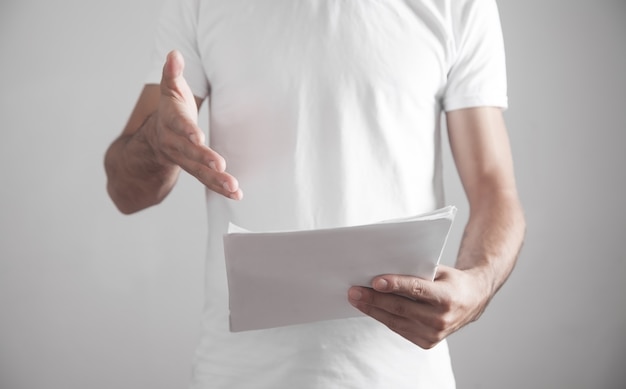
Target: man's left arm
x=426, y=312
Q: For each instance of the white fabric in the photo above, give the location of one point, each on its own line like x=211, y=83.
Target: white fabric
x=328, y=113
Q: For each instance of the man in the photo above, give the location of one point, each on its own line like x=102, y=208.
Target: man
x=327, y=113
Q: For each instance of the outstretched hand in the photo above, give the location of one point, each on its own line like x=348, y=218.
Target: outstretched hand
x=178, y=140
x=424, y=312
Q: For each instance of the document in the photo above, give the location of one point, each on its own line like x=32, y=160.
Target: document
x=285, y=278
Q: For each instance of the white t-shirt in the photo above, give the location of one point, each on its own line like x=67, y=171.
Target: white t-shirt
x=328, y=113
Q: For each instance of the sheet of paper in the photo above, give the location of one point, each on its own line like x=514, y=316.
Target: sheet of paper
x=285, y=278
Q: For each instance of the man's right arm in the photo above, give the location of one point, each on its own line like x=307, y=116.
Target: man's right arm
x=161, y=137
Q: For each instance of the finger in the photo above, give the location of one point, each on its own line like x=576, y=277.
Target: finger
x=172, y=73
x=206, y=165
x=408, y=327
x=411, y=287
x=225, y=190
x=395, y=304
x=413, y=331
x=219, y=182
x=185, y=140
x=222, y=183
x=203, y=155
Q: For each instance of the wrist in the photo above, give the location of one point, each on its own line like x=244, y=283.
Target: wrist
x=484, y=284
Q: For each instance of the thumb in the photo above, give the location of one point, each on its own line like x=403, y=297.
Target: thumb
x=408, y=286
x=172, y=73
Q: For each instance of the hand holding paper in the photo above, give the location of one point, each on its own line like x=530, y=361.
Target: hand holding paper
x=422, y=311
x=285, y=278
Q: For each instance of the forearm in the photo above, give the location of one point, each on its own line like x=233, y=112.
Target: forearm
x=426, y=312
x=492, y=240
x=136, y=178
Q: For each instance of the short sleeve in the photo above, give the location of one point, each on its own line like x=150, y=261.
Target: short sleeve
x=477, y=76
x=177, y=29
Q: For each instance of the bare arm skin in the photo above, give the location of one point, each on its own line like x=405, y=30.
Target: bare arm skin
x=426, y=312
x=161, y=137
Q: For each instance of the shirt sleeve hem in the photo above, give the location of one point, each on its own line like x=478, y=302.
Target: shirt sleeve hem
x=475, y=101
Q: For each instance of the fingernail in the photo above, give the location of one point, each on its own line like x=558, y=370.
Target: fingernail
x=381, y=284
x=355, y=294
x=227, y=187
x=212, y=165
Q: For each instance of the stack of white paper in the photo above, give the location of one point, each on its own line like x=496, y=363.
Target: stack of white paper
x=284, y=278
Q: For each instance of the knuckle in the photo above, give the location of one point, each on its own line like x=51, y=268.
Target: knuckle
x=429, y=343
x=446, y=305
x=416, y=287
x=433, y=338
x=198, y=172
x=439, y=323
x=393, y=323
x=399, y=308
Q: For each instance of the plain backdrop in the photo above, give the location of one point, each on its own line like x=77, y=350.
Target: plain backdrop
x=93, y=299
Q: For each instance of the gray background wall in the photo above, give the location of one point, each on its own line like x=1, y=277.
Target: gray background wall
x=92, y=299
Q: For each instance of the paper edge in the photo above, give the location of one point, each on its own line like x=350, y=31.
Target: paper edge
x=447, y=212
